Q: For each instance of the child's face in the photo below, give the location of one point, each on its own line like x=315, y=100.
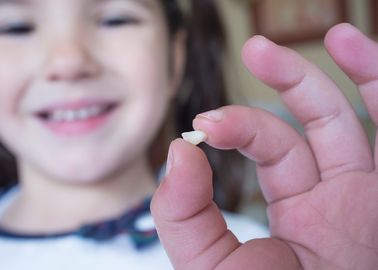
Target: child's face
x=84, y=84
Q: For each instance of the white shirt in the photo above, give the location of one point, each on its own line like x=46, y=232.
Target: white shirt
x=73, y=252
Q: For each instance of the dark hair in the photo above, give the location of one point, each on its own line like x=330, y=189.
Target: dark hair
x=203, y=88
x=8, y=169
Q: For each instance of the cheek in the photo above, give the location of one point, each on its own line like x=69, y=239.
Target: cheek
x=11, y=88
x=143, y=66
x=151, y=87
x=137, y=56
x=148, y=72
x=15, y=78
x=16, y=71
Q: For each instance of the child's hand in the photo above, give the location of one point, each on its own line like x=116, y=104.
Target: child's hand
x=322, y=191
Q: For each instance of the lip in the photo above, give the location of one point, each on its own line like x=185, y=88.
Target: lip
x=76, y=127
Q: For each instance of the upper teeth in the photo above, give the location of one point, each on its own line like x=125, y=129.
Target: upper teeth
x=74, y=115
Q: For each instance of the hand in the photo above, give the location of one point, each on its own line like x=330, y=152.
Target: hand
x=322, y=190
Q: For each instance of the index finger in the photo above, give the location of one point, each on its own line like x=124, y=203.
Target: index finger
x=285, y=164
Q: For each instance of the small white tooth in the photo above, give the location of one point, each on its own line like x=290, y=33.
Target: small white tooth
x=83, y=114
x=69, y=115
x=57, y=116
x=194, y=137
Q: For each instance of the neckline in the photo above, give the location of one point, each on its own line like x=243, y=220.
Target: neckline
x=99, y=231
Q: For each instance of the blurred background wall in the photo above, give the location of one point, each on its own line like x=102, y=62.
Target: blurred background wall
x=245, y=89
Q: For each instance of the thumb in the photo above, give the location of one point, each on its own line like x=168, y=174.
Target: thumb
x=190, y=225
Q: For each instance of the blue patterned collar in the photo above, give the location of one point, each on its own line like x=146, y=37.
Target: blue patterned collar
x=125, y=224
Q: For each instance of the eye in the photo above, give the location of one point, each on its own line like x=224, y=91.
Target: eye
x=17, y=29
x=118, y=21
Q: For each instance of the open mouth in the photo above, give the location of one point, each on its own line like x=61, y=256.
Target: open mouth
x=76, y=119
x=75, y=115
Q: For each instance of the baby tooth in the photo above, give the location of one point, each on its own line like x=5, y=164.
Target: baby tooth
x=194, y=137
x=83, y=114
x=58, y=116
x=69, y=115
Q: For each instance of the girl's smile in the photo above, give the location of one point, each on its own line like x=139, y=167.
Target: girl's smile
x=76, y=118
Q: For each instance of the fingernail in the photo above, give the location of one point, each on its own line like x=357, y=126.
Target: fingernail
x=170, y=160
x=214, y=115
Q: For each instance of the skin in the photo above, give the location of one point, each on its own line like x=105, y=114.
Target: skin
x=74, y=52
x=322, y=190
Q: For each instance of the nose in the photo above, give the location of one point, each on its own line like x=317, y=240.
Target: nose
x=70, y=60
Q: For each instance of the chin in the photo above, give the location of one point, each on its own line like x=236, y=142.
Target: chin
x=81, y=173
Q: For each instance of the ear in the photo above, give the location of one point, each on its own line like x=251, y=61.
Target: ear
x=178, y=60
